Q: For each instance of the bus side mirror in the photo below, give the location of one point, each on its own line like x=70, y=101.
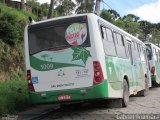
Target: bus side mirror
x=31, y=20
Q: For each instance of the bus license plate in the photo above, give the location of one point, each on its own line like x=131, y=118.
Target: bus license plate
x=64, y=97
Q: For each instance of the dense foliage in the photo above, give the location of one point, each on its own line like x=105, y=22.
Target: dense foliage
x=13, y=96
x=12, y=23
x=11, y=30
x=144, y=30
x=13, y=87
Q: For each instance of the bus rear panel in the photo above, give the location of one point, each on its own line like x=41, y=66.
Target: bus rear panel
x=61, y=62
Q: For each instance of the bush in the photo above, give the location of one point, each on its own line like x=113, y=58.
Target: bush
x=11, y=29
x=13, y=96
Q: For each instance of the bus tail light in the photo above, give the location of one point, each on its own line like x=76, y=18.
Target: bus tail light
x=98, y=74
x=153, y=70
x=29, y=79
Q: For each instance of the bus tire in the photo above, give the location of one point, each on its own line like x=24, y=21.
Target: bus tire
x=125, y=99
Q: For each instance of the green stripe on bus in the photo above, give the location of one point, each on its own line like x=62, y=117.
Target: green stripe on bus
x=38, y=64
x=153, y=77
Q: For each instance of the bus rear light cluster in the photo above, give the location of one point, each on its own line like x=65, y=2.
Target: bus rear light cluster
x=153, y=70
x=98, y=74
x=29, y=77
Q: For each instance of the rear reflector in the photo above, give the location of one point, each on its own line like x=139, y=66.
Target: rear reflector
x=98, y=74
x=29, y=79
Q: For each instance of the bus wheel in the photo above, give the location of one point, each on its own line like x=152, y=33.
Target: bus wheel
x=125, y=99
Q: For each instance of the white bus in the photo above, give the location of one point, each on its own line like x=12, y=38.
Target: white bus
x=83, y=57
x=153, y=55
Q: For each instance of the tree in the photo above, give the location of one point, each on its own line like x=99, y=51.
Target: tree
x=44, y=7
x=120, y=23
x=131, y=24
x=156, y=37
x=97, y=7
x=40, y=10
x=157, y=26
x=146, y=28
x=51, y=8
x=22, y=5
x=114, y=14
x=66, y=7
x=107, y=16
x=85, y=6
x=132, y=17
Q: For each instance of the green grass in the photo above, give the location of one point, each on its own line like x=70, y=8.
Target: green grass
x=19, y=13
x=13, y=96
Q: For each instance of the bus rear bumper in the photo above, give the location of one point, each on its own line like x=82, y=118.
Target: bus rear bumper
x=99, y=91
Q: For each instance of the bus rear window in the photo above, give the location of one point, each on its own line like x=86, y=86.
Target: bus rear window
x=58, y=36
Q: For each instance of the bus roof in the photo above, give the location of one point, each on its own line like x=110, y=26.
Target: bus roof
x=153, y=45
x=62, y=17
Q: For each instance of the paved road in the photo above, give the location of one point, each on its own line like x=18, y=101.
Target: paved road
x=139, y=108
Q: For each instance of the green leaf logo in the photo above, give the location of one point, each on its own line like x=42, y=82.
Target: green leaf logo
x=80, y=53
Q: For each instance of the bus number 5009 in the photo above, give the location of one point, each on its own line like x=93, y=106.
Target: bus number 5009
x=47, y=66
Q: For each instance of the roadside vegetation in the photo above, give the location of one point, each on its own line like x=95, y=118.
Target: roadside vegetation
x=12, y=23
x=13, y=96
x=13, y=87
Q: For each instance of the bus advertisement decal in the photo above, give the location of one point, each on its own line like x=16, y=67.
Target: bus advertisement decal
x=46, y=66
x=76, y=34
x=48, y=60
x=80, y=53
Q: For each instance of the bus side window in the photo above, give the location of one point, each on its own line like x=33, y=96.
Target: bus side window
x=159, y=55
x=129, y=49
x=103, y=32
x=120, y=46
x=108, y=42
x=148, y=52
x=136, y=51
x=155, y=54
x=139, y=50
x=109, y=35
x=142, y=53
x=135, y=46
x=115, y=38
